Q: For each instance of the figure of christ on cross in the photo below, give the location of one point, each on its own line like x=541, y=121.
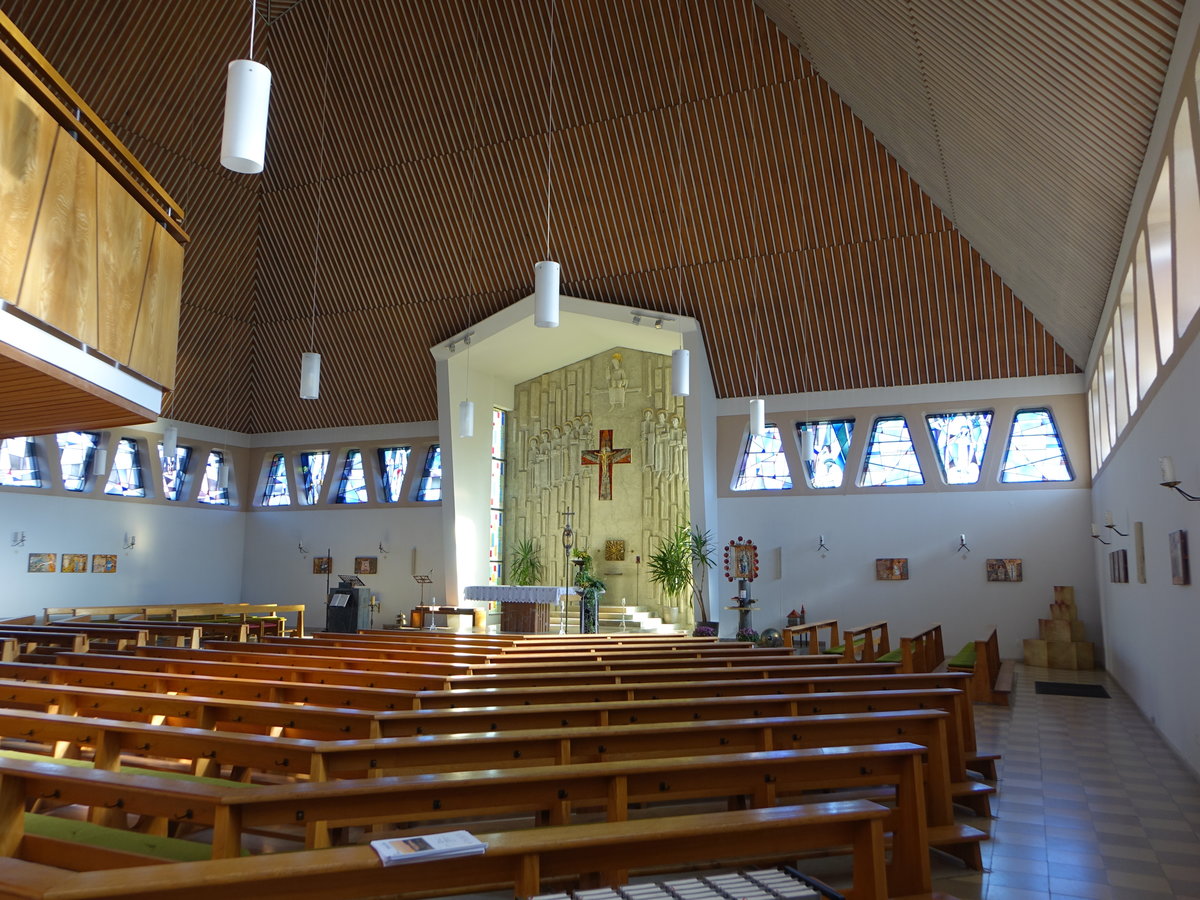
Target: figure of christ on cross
x=605, y=458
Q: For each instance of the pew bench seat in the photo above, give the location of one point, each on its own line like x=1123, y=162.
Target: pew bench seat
x=121, y=840
x=991, y=677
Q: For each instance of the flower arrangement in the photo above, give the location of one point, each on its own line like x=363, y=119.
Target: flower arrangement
x=704, y=631
x=749, y=635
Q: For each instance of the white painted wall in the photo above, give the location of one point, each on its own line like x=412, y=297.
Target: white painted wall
x=181, y=554
x=1152, y=629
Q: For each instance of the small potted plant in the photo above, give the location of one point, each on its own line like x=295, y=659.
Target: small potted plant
x=749, y=635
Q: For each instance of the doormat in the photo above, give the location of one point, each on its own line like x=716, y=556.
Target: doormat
x=1066, y=689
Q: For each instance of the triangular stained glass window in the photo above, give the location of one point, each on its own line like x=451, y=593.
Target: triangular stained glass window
x=1035, y=451
x=823, y=449
x=764, y=466
x=891, y=457
x=214, y=488
x=960, y=439
x=430, y=489
x=18, y=463
x=76, y=450
x=125, y=480
x=353, y=486
x=393, y=464
x=312, y=474
x=174, y=471
x=276, y=491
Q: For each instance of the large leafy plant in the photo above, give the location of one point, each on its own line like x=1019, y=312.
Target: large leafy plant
x=525, y=567
x=670, y=565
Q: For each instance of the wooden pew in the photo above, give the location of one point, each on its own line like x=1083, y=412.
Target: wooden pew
x=522, y=860
x=30, y=640
x=920, y=653
x=865, y=644
x=808, y=635
x=168, y=633
x=991, y=679
x=314, y=658
x=122, y=637
x=242, y=612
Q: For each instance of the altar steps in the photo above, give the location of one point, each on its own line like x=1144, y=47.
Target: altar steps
x=614, y=619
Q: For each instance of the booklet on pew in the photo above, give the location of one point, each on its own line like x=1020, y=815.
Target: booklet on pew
x=446, y=845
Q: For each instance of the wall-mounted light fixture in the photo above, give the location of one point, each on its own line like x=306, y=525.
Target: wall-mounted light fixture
x=1096, y=534
x=130, y=542
x=18, y=539
x=1109, y=523
x=821, y=543
x=962, y=544
x=1169, y=480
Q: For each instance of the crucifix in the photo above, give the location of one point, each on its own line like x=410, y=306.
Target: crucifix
x=605, y=457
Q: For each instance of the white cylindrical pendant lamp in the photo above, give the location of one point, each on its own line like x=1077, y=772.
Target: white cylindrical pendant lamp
x=170, y=443
x=223, y=475
x=100, y=462
x=681, y=364
x=466, y=419
x=310, y=376
x=546, y=276
x=247, y=96
x=758, y=417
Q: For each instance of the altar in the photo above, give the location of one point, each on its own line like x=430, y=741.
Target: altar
x=523, y=609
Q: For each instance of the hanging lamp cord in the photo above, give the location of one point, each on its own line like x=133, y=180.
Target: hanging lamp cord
x=549, y=123
x=312, y=328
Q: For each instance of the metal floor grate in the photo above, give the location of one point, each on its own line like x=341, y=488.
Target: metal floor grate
x=783, y=883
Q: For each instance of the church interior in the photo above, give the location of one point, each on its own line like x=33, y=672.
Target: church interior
x=543, y=331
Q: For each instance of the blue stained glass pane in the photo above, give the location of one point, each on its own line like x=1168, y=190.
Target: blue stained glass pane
x=276, y=491
x=960, y=439
x=891, y=457
x=126, y=477
x=174, y=471
x=764, y=467
x=18, y=463
x=497, y=499
x=1035, y=451
x=211, y=490
x=430, y=488
x=312, y=474
x=494, y=574
x=393, y=463
x=76, y=450
x=498, y=419
x=823, y=448
x=353, y=486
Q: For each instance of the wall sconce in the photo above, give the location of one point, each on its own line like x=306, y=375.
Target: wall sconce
x=962, y=544
x=18, y=539
x=821, y=545
x=382, y=552
x=1169, y=480
x=303, y=550
x=1096, y=534
x=130, y=542
x=1108, y=523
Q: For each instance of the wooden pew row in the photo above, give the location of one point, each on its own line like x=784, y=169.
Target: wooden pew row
x=8, y=649
x=808, y=635
x=242, y=613
x=923, y=652
x=308, y=658
x=991, y=679
x=348, y=645
x=138, y=744
x=29, y=639
x=111, y=639
x=172, y=634
x=550, y=793
x=522, y=860
x=864, y=644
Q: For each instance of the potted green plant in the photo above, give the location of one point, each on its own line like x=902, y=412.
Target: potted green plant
x=525, y=566
x=591, y=588
x=700, y=547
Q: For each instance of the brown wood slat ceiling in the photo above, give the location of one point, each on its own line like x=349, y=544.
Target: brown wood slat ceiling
x=797, y=223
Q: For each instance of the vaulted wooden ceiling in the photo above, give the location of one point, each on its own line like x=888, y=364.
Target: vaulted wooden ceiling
x=701, y=165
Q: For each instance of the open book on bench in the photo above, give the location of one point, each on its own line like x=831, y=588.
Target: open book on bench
x=399, y=851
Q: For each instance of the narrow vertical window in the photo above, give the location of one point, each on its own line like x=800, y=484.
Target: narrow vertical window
x=76, y=450
x=126, y=477
x=764, y=467
x=496, y=521
x=214, y=488
x=960, y=439
x=353, y=486
x=823, y=449
x=276, y=491
x=312, y=474
x=430, y=488
x=393, y=464
x=18, y=463
x=174, y=471
x=1035, y=451
x=891, y=457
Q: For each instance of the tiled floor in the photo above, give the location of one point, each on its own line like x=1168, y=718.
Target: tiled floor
x=1091, y=802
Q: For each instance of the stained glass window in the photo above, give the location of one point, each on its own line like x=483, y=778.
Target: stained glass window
x=276, y=491
x=496, y=522
x=1035, y=451
x=76, y=450
x=393, y=463
x=891, y=457
x=18, y=463
x=353, y=486
x=312, y=474
x=214, y=488
x=430, y=488
x=174, y=471
x=126, y=477
x=764, y=467
x=823, y=449
x=960, y=439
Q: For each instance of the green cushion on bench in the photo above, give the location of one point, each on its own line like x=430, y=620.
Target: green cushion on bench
x=841, y=648
x=115, y=838
x=964, y=658
x=125, y=770
x=892, y=656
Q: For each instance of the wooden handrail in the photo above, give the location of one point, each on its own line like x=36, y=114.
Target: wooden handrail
x=42, y=81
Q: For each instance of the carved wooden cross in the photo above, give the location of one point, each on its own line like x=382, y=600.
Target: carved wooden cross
x=605, y=457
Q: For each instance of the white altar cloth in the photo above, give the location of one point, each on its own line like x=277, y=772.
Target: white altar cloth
x=511, y=593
